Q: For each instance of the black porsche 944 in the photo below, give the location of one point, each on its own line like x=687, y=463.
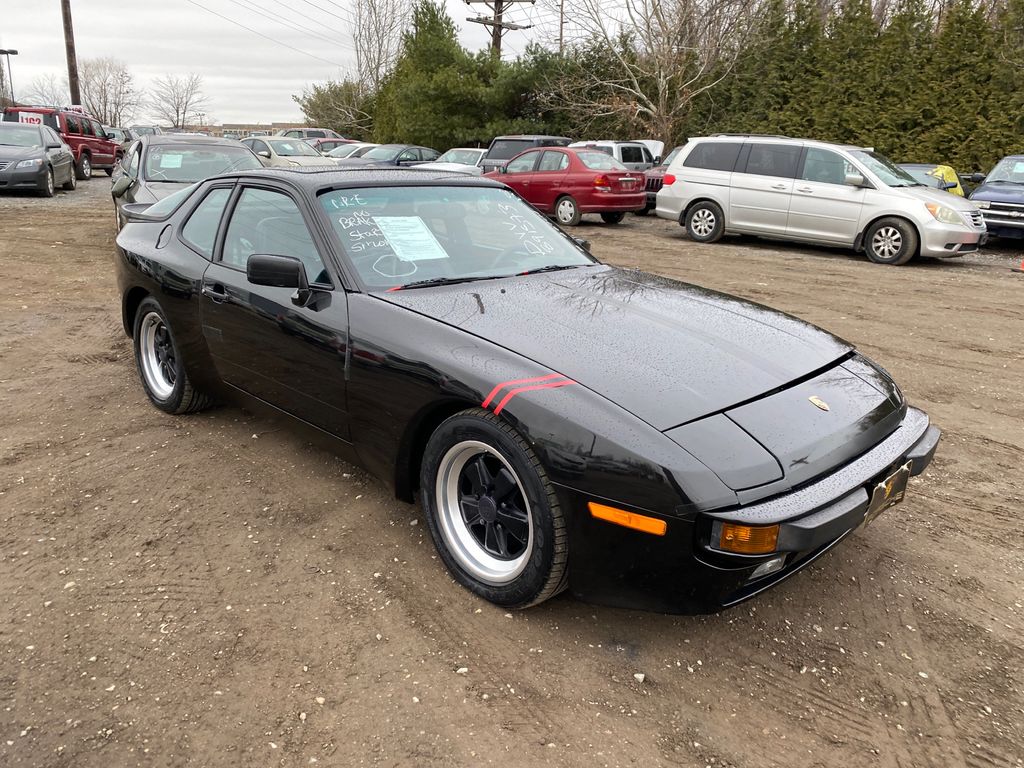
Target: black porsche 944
x=565, y=424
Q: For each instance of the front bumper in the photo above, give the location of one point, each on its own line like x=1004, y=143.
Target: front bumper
x=23, y=178
x=945, y=241
x=1004, y=222
x=681, y=572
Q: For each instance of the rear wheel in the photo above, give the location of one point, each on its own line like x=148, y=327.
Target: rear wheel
x=567, y=213
x=613, y=218
x=492, y=512
x=891, y=241
x=705, y=222
x=46, y=190
x=84, y=168
x=160, y=365
x=643, y=211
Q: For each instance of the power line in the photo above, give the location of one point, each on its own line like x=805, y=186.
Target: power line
x=265, y=37
x=248, y=5
x=347, y=20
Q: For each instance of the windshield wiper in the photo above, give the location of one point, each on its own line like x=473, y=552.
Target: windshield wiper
x=550, y=268
x=442, y=281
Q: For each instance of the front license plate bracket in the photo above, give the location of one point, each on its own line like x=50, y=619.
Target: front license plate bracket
x=888, y=493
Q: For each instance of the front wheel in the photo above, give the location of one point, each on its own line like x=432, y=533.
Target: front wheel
x=613, y=218
x=492, y=512
x=567, y=212
x=891, y=241
x=48, y=186
x=160, y=365
x=705, y=222
x=84, y=168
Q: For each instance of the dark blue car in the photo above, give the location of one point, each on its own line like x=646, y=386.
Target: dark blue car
x=1001, y=198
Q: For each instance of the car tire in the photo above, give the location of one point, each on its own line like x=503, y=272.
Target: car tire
x=613, y=218
x=160, y=365
x=705, y=222
x=117, y=219
x=72, y=183
x=492, y=512
x=643, y=211
x=567, y=212
x=48, y=186
x=891, y=241
x=84, y=168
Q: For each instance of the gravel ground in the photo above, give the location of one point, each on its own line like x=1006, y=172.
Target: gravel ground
x=213, y=591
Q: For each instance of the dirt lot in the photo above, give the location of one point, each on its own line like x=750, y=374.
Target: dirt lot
x=213, y=591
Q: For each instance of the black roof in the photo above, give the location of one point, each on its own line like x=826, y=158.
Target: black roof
x=317, y=177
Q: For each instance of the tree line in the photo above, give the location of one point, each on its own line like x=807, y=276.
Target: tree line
x=920, y=80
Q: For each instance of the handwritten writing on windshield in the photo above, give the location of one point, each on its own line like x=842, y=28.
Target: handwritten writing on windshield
x=534, y=242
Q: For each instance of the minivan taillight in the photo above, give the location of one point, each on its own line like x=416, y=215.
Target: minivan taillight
x=602, y=182
x=669, y=179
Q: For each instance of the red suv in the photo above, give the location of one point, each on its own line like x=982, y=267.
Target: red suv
x=566, y=183
x=89, y=142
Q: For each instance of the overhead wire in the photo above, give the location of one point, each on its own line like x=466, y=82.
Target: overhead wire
x=250, y=5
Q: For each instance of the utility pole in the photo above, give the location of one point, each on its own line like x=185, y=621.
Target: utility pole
x=69, y=49
x=561, y=26
x=496, y=22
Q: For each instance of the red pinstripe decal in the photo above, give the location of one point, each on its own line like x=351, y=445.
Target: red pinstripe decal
x=499, y=387
x=517, y=390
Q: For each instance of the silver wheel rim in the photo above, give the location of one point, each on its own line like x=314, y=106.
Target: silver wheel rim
x=49, y=181
x=887, y=242
x=86, y=166
x=72, y=181
x=566, y=211
x=463, y=527
x=156, y=353
x=703, y=222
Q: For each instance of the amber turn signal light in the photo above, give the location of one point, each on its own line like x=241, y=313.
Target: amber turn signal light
x=748, y=539
x=628, y=519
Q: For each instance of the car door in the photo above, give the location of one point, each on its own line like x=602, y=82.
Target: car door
x=106, y=150
x=547, y=182
x=293, y=357
x=761, y=188
x=61, y=159
x=519, y=173
x=73, y=135
x=823, y=206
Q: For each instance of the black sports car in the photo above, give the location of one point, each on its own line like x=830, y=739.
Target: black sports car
x=404, y=155
x=566, y=424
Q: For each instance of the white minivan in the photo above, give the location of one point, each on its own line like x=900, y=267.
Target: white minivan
x=814, y=192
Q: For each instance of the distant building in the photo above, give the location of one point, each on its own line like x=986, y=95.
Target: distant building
x=241, y=130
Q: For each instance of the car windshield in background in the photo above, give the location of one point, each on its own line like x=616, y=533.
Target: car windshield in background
x=293, y=148
x=20, y=136
x=922, y=176
x=506, y=149
x=144, y=131
x=345, y=150
x=117, y=133
x=889, y=173
x=464, y=156
x=396, y=236
x=382, y=153
x=598, y=161
x=671, y=156
x=1009, y=169
x=170, y=204
x=188, y=163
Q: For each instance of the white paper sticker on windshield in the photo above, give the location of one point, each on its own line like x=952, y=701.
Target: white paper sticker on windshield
x=410, y=238
x=170, y=161
x=1018, y=167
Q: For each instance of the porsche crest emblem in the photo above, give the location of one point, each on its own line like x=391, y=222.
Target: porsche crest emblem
x=819, y=403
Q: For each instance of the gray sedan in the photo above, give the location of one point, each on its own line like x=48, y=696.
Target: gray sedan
x=35, y=157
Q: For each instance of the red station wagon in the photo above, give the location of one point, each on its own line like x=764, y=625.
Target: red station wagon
x=566, y=183
x=84, y=134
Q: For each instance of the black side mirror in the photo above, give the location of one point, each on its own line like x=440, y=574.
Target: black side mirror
x=976, y=178
x=948, y=185
x=121, y=185
x=279, y=272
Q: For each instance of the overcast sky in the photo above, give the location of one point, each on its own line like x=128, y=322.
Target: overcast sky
x=247, y=78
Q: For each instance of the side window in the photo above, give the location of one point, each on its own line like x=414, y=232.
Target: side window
x=522, y=164
x=429, y=154
x=713, y=155
x=73, y=125
x=409, y=154
x=293, y=134
x=773, y=160
x=51, y=136
x=268, y=222
x=134, y=163
x=200, y=231
x=553, y=161
x=86, y=127
x=97, y=129
x=825, y=166
x=316, y=135
x=632, y=155
x=260, y=146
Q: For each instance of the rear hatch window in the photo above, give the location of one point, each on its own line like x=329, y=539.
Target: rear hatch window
x=32, y=118
x=505, y=149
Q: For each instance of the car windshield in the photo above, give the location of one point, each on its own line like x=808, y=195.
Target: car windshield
x=923, y=176
x=345, y=150
x=464, y=156
x=396, y=236
x=117, y=133
x=888, y=173
x=506, y=149
x=598, y=161
x=671, y=156
x=183, y=163
x=382, y=153
x=20, y=136
x=169, y=204
x=292, y=148
x=144, y=131
x=1009, y=169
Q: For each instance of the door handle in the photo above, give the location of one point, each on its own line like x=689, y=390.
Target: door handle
x=807, y=190
x=778, y=186
x=216, y=292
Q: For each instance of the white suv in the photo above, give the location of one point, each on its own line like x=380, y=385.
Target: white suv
x=814, y=192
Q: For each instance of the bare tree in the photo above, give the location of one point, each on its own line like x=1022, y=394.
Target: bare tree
x=46, y=89
x=660, y=55
x=108, y=91
x=177, y=100
x=377, y=37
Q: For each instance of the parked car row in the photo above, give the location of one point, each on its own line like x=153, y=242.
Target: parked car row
x=91, y=144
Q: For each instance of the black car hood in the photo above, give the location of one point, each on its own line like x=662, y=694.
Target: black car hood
x=666, y=351
x=999, y=192
x=361, y=162
x=8, y=152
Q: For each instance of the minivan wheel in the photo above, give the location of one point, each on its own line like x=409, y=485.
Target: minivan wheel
x=567, y=213
x=891, y=241
x=492, y=512
x=84, y=169
x=705, y=222
x=159, y=362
